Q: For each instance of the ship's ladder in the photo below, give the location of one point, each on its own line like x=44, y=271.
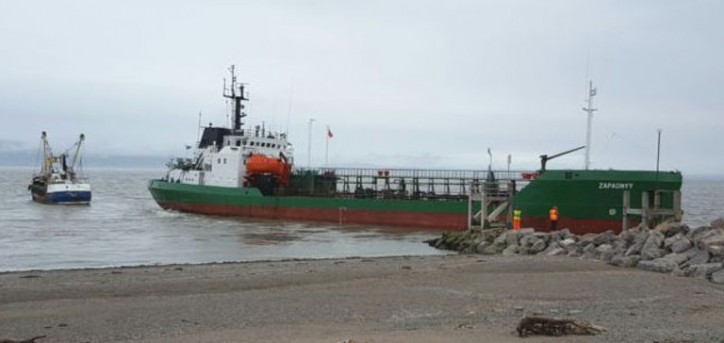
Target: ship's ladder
x=482, y=198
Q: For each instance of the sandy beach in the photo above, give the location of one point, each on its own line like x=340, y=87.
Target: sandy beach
x=466, y=298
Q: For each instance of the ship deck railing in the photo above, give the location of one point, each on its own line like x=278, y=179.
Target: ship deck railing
x=430, y=184
x=471, y=174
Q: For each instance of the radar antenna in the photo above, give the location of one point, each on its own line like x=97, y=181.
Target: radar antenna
x=235, y=92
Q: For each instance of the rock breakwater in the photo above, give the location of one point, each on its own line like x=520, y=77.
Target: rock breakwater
x=673, y=248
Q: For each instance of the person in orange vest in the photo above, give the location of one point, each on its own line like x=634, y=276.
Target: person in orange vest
x=516, y=219
x=553, y=216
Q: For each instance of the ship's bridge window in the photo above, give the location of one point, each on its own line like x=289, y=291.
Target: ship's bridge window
x=238, y=143
x=218, y=161
x=224, y=161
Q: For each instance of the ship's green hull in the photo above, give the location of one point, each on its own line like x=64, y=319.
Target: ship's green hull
x=591, y=200
x=588, y=201
x=249, y=202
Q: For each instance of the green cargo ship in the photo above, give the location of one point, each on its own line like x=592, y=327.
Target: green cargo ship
x=587, y=201
x=248, y=172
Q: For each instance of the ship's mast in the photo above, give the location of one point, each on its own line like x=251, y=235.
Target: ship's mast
x=46, y=152
x=77, y=152
x=232, y=94
x=589, y=109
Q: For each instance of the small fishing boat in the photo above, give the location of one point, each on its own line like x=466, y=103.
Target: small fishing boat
x=59, y=182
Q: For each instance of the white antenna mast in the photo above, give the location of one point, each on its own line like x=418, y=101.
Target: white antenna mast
x=589, y=109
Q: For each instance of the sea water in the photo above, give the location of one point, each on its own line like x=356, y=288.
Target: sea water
x=123, y=226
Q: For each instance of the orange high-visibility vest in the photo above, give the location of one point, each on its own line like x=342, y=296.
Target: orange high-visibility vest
x=553, y=214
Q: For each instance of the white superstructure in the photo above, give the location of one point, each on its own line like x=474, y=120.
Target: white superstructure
x=222, y=154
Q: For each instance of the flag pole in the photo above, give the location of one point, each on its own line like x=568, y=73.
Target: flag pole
x=309, y=144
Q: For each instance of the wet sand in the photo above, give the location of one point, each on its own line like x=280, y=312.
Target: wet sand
x=398, y=299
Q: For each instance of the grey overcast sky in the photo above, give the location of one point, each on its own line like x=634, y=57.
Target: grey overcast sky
x=427, y=84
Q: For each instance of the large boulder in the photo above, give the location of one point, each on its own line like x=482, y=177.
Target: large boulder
x=634, y=249
x=680, y=246
x=603, y=249
x=511, y=250
x=501, y=236
x=607, y=237
x=717, y=223
x=554, y=249
x=677, y=243
x=697, y=256
x=629, y=235
x=522, y=232
x=652, y=247
x=661, y=265
x=533, y=243
x=511, y=238
x=568, y=244
x=664, y=264
x=625, y=261
x=679, y=259
x=671, y=229
x=486, y=248
x=586, y=239
x=636, y=238
x=575, y=252
x=501, y=242
x=717, y=277
x=618, y=249
x=716, y=251
x=560, y=235
x=704, y=271
x=589, y=251
x=537, y=246
x=696, y=233
x=711, y=237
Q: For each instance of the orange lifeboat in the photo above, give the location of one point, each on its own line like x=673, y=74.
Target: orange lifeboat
x=261, y=164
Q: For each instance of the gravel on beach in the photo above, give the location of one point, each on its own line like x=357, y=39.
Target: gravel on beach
x=453, y=298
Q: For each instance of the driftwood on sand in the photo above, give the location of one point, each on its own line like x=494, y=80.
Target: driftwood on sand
x=31, y=340
x=555, y=327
